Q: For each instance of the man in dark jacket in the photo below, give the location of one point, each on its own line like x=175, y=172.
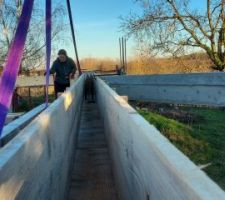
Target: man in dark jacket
x=64, y=69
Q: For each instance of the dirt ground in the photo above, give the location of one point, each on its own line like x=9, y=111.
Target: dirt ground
x=170, y=110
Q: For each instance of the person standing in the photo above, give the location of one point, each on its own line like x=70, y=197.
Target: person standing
x=63, y=69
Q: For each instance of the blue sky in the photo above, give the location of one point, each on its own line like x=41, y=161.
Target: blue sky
x=98, y=26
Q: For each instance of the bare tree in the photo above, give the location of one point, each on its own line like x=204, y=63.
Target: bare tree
x=34, y=52
x=175, y=26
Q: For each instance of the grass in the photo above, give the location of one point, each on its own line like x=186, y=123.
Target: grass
x=203, y=141
x=212, y=130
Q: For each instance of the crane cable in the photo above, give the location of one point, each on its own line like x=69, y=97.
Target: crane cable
x=73, y=35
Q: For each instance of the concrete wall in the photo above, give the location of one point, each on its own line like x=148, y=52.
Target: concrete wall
x=13, y=128
x=146, y=165
x=200, y=89
x=35, y=164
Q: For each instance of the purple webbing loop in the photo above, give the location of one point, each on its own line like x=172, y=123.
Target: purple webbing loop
x=12, y=65
x=48, y=31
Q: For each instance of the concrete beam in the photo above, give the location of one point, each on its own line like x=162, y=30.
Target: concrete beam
x=12, y=129
x=37, y=162
x=146, y=165
x=198, y=89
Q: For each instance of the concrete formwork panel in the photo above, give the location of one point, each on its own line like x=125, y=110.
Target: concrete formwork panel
x=11, y=129
x=146, y=165
x=36, y=163
x=199, y=89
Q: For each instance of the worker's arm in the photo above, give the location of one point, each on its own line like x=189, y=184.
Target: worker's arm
x=73, y=69
x=53, y=68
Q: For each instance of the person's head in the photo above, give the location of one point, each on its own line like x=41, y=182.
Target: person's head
x=62, y=55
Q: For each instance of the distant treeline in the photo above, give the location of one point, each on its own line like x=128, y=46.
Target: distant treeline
x=197, y=62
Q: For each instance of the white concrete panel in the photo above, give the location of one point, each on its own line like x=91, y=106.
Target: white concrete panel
x=199, y=89
x=146, y=165
x=11, y=129
x=35, y=165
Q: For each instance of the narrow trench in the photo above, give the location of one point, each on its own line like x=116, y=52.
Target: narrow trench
x=92, y=176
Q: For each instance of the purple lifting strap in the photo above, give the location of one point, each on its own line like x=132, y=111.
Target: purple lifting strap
x=14, y=58
x=48, y=30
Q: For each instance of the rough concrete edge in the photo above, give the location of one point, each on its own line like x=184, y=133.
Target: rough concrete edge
x=191, y=175
x=171, y=79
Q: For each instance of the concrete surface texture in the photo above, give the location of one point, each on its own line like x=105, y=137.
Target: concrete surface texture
x=35, y=165
x=198, y=89
x=145, y=164
x=12, y=116
x=14, y=127
x=92, y=178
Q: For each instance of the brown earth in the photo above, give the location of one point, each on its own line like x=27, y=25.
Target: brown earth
x=170, y=111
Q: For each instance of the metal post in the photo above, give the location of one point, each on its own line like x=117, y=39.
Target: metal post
x=125, y=54
x=73, y=35
x=29, y=98
x=120, y=52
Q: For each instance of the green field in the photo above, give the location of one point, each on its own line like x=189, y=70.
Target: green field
x=203, y=140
